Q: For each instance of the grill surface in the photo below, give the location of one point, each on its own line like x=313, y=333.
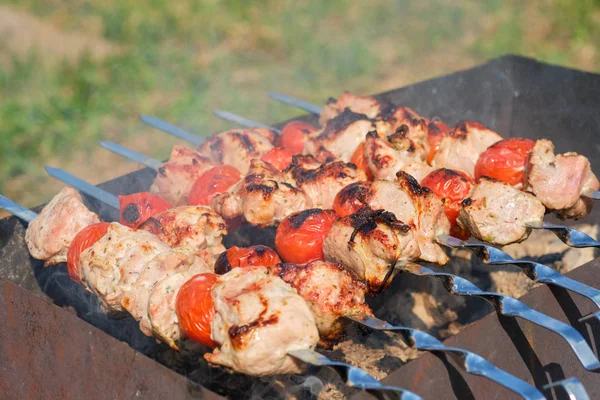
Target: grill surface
x=513, y=95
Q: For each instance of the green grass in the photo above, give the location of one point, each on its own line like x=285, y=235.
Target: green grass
x=178, y=60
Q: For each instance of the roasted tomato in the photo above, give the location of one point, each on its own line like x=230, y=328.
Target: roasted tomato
x=452, y=187
x=351, y=198
x=138, y=207
x=294, y=134
x=505, y=161
x=436, y=132
x=299, y=237
x=195, y=308
x=360, y=160
x=83, y=240
x=216, y=180
x=279, y=157
x=242, y=257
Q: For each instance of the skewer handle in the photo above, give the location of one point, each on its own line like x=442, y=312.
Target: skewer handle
x=470, y=362
x=16, y=209
x=83, y=186
x=172, y=130
x=301, y=104
x=354, y=376
x=131, y=155
x=242, y=121
x=511, y=307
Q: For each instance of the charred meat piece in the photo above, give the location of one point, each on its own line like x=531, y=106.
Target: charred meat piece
x=366, y=105
x=331, y=292
x=559, y=180
x=370, y=243
x=198, y=229
x=340, y=135
x=176, y=177
x=50, y=234
x=321, y=182
x=417, y=207
x=264, y=197
x=238, y=147
x=460, y=149
x=259, y=319
x=497, y=213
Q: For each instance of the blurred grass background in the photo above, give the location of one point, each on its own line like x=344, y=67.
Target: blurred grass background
x=73, y=72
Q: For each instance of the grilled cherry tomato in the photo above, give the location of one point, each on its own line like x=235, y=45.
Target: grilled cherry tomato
x=299, y=237
x=436, y=132
x=505, y=160
x=351, y=198
x=83, y=240
x=452, y=187
x=195, y=308
x=294, y=134
x=279, y=157
x=242, y=257
x=360, y=160
x=138, y=207
x=216, y=180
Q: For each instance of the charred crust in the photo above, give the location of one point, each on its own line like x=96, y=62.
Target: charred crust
x=365, y=220
x=412, y=183
x=467, y=202
x=335, y=170
x=331, y=100
x=387, y=112
x=265, y=189
x=356, y=190
x=372, y=135
x=341, y=122
x=245, y=141
x=153, y=226
x=237, y=333
x=162, y=171
x=296, y=220
x=222, y=265
x=131, y=213
x=217, y=147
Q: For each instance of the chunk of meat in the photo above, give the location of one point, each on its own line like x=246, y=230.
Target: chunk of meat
x=460, y=149
x=497, y=213
x=198, y=229
x=259, y=319
x=367, y=105
x=111, y=266
x=264, y=197
x=370, y=243
x=238, y=147
x=417, y=207
x=559, y=180
x=50, y=234
x=340, y=135
x=331, y=291
x=321, y=182
x=174, y=180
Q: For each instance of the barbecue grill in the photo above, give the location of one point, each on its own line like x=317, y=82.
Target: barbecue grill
x=512, y=95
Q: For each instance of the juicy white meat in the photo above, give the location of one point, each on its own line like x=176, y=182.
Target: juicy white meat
x=50, y=234
x=111, y=266
x=259, y=319
x=460, y=149
x=497, y=213
x=135, y=301
x=238, y=147
x=331, y=292
x=340, y=135
x=367, y=105
x=174, y=180
x=559, y=180
x=321, y=182
x=370, y=243
x=198, y=229
x=161, y=303
x=417, y=207
x=264, y=197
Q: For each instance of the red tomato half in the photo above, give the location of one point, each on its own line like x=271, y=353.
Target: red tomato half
x=216, y=180
x=279, y=157
x=242, y=257
x=299, y=237
x=83, y=240
x=138, y=207
x=294, y=134
x=505, y=160
x=436, y=132
x=195, y=308
x=351, y=198
x=452, y=187
x=360, y=160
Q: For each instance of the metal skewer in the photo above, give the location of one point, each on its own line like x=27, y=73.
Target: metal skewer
x=131, y=155
x=242, y=121
x=83, y=186
x=16, y=209
x=172, y=130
